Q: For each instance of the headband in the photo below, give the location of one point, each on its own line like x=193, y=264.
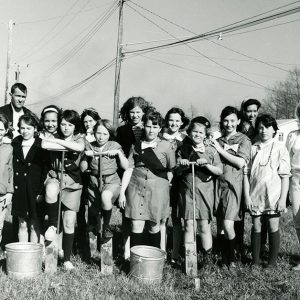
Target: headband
x=50, y=109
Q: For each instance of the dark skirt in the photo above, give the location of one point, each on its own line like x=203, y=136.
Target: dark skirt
x=147, y=196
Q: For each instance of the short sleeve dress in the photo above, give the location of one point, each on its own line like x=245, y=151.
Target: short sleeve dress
x=204, y=183
x=110, y=179
x=229, y=185
x=269, y=162
x=147, y=194
x=72, y=181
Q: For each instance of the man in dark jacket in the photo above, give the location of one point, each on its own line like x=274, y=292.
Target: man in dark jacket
x=15, y=108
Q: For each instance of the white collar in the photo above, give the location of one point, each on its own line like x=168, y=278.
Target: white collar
x=177, y=136
x=152, y=144
x=28, y=143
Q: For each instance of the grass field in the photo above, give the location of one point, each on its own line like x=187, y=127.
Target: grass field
x=242, y=282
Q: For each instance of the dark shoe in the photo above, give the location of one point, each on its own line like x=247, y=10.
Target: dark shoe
x=177, y=263
x=107, y=234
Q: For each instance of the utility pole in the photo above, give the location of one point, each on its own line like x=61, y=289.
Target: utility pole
x=9, y=47
x=18, y=71
x=118, y=66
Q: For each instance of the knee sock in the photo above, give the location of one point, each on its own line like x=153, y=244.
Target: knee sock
x=239, y=231
x=274, y=240
x=106, y=214
x=219, y=242
x=256, y=243
x=68, y=239
x=154, y=239
x=136, y=239
x=52, y=211
x=231, y=250
x=264, y=234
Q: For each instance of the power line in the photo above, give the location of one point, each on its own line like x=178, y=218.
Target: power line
x=197, y=51
x=217, y=32
x=76, y=86
x=198, y=72
x=43, y=41
x=83, y=41
x=223, y=46
x=227, y=35
x=262, y=28
x=231, y=59
x=60, y=16
x=78, y=34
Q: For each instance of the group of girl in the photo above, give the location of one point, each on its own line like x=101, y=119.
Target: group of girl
x=146, y=165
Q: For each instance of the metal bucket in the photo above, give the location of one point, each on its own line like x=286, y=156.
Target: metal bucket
x=24, y=260
x=147, y=264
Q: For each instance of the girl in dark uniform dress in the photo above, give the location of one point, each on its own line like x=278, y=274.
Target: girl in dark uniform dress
x=73, y=141
x=234, y=149
x=30, y=164
x=146, y=180
x=128, y=134
x=102, y=192
x=89, y=118
x=208, y=164
x=176, y=121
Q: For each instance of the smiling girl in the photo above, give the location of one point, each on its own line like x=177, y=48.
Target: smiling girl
x=73, y=142
x=104, y=190
x=234, y=150
x=147, y=196
x=265, y=198
x=30, y=164
x=128, y=134
x=208, y=164
x=175, y=122
x=49, y=121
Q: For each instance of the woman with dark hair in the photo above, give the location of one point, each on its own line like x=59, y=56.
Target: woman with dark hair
x=266, y=186
x=175, y=122
x=234, y=150
x=128, y=134
x=49, y=121
x=103, y=191
x=71, y=140
x=30, y=165
x=146, y=182
x=89, y=118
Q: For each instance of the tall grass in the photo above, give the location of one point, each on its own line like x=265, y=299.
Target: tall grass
x=242, y=282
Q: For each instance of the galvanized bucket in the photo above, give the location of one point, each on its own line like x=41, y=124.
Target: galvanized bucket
x=147, y=264
x=24, y=260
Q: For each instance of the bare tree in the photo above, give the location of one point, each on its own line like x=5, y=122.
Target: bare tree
x=282, y=99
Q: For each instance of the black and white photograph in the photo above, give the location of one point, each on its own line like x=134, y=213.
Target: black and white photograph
x=150, y=149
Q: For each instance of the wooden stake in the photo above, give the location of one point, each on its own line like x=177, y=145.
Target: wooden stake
x=51, y=251
x=191, y=248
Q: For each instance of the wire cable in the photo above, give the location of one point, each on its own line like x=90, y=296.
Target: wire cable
x=198, y=72
x=75, y=86
x=58, y=17
x=83, y=41
x=200, y=53
x=220, y=45
x=91, y=25
x=40, y=44
x=217, y=32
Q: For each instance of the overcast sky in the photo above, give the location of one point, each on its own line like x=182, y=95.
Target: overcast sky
x=46, y=32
